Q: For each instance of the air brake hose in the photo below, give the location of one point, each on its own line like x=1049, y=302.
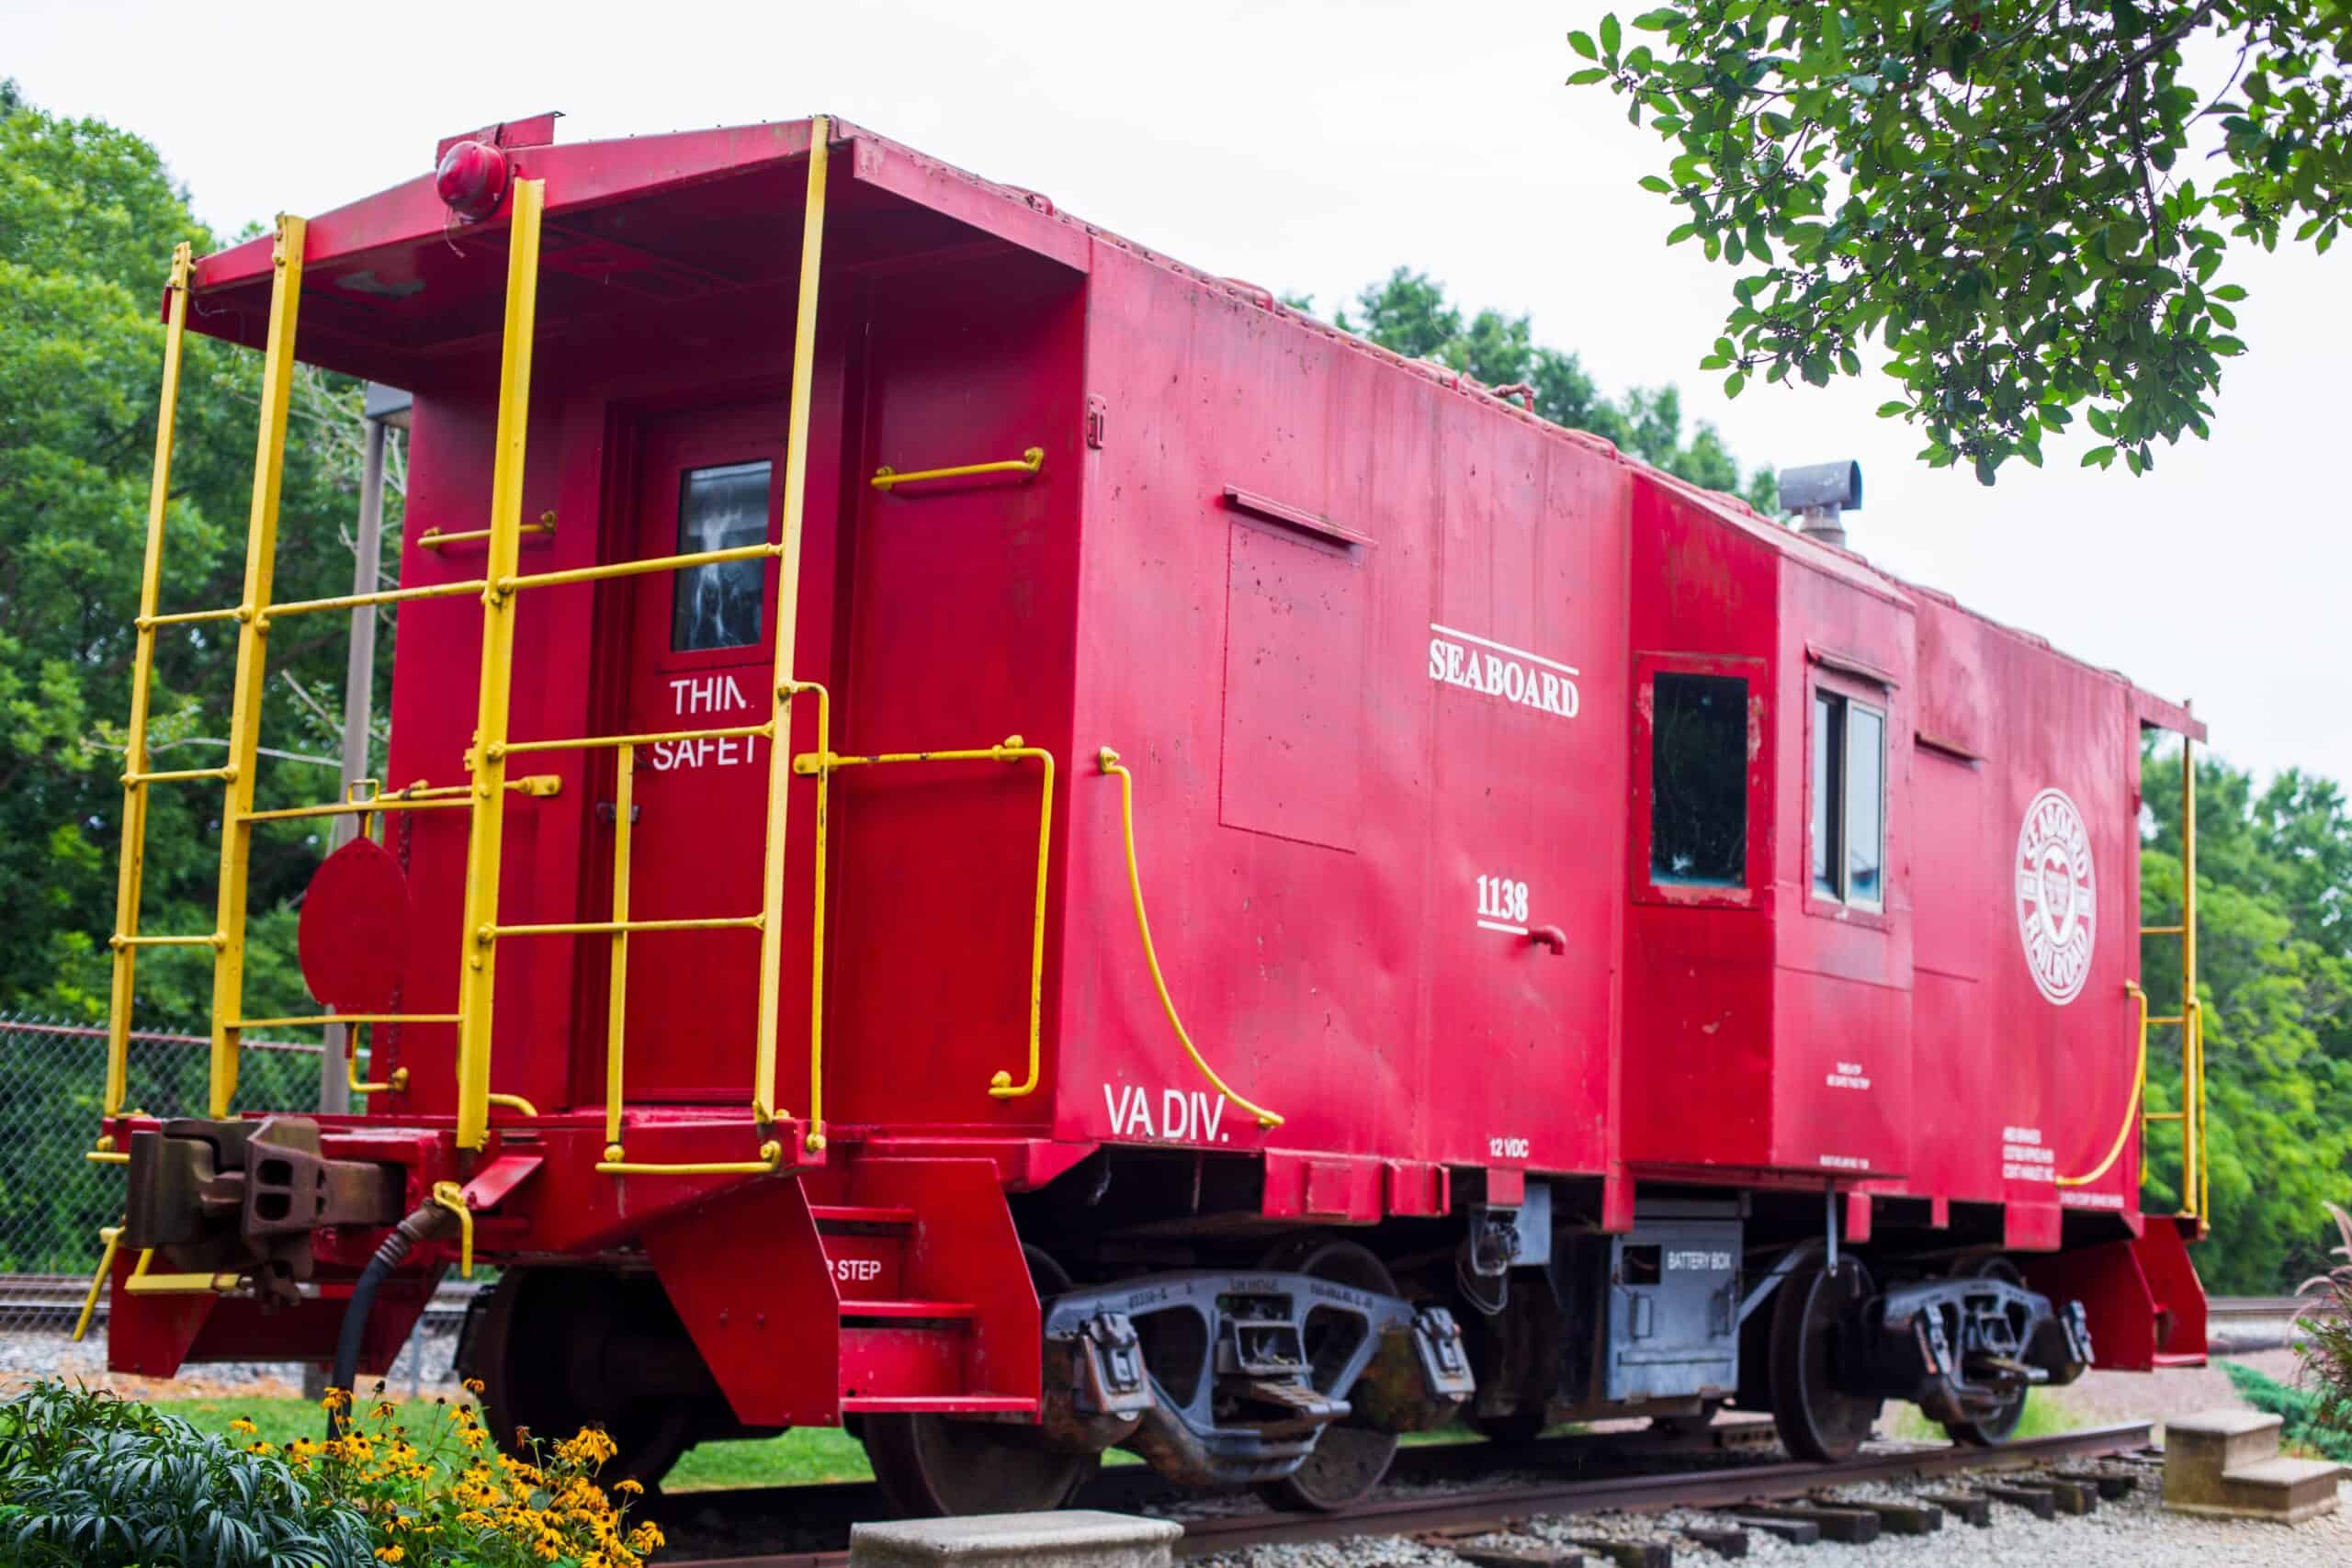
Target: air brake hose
x=427, y=1222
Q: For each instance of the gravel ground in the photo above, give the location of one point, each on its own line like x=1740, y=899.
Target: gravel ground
x=427, y=1365
x=2135, y=1532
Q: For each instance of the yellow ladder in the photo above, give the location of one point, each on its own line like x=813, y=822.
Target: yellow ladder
x=2195, y=1180
x=254, y=613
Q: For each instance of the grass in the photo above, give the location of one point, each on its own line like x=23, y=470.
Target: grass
x=2046, y=1415
x=795, y=1459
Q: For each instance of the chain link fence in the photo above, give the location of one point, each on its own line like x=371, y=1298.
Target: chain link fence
x=52, y=1201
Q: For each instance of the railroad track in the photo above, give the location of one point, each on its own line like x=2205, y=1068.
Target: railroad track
x=1724, y=1485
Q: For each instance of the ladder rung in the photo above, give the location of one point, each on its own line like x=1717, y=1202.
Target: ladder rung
x=2170, y=1018
x=316, y=1021
x=215, y=940
x=595, y=742
x=2161, y=1116
x=609, y=928
x=637, y=567
x=386, y=596
x=180, y=776
x=189, y=617
x=909, y=1309
x=2162, y=931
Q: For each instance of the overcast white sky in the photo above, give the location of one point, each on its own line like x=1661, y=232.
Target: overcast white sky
x=1313, y=147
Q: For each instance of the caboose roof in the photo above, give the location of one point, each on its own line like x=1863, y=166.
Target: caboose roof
x=397, y=291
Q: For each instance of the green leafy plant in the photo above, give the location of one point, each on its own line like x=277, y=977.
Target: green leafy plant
x=91, y=1481
x=2027, y=201
x=2326, y=1349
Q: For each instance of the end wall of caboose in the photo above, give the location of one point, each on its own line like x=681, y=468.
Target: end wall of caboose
x=940, y=616
x=1355, y=631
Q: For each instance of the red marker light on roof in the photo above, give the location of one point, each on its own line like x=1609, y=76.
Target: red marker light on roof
x=471, y=180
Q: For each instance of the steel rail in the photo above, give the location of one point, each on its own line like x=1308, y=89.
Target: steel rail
x=1719, y=1486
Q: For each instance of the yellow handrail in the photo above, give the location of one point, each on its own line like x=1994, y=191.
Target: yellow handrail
x=2196, y=1166
x=2130, y=1106
x=1011, y=750
x=477, y=974
x=128, y=874
x=787, y=624
x=786, y=692
x=434, y=538
x=1109, y=762
x=1029, y=462
x=601, y=742
x=110, y=1237
x=253, y=661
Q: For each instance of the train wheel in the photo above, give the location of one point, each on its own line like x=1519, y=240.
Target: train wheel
x=1815, y=1420
x=1989, y=1431
x=937, y=1466
x=555, y=1349
x=1348, y=1460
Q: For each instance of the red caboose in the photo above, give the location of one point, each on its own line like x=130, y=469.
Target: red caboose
x=1606, y=951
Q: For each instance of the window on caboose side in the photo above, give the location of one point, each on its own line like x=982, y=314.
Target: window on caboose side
x=1849, y=801
x=1697, y=780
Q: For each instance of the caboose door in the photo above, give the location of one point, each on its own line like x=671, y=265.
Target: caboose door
x=700, y=657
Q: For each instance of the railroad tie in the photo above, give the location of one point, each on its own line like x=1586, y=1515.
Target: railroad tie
x=1722, y=1542
x=1797, y=1532
x=1903, y=1518
x=1631, y=1553
x=1516, y=1556
x=2113, y=1486
x=1971, y=1509
x=2038, y=1500
x=2072, y=1496
x=1852, y=1526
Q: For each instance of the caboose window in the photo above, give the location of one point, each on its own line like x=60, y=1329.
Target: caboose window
x=1849, y=848
x=717, y=604
x=1699, y=780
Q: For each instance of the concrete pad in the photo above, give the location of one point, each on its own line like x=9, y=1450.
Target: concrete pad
x=1070, y=1537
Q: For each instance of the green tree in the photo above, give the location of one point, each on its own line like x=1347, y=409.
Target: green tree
x=2275, y=975
x=88, y=216
x=2013, y=195
x=1408, y=312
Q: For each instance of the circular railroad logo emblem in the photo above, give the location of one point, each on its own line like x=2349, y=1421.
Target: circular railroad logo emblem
x=2057, y=895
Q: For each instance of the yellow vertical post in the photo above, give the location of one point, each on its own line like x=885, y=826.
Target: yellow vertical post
x=2193, y=1190
x=787, y=606
x=128, y=875
x=252, y=660
x=478, y=971
x=616, y=1006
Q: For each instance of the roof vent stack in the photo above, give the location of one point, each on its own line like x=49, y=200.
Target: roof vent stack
x=1821, y=494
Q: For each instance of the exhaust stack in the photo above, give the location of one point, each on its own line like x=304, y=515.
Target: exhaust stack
x=1820, y=495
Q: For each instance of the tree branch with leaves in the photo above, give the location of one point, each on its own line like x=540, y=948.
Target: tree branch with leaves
x=1998, y=192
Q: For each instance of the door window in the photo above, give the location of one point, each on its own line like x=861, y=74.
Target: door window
x=717, y=604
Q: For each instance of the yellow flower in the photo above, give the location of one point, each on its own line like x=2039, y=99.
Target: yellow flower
x=391, y=1553
x=474, y=1386
x=243, y=1427
x=632, y=1487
